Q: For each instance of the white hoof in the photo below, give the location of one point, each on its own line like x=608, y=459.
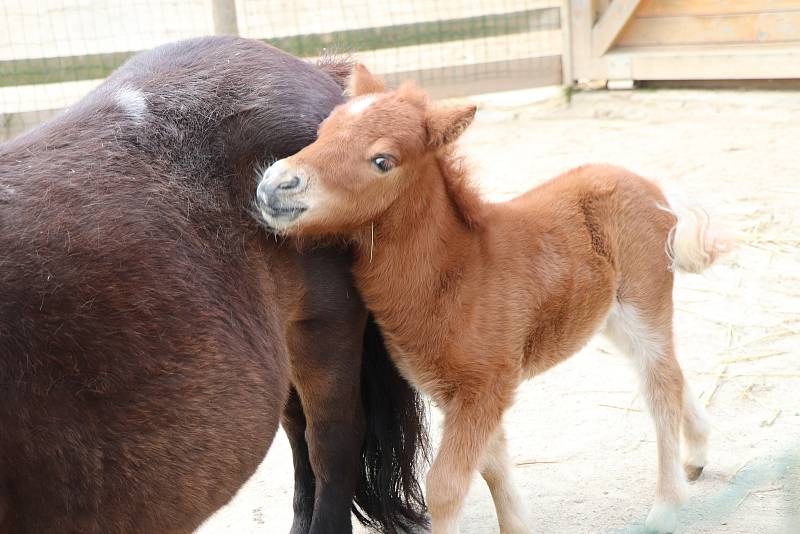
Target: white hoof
x=663, y=518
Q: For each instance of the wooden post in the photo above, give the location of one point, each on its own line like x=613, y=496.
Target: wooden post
x=581, y=14
x=223, y=13
x=567, y=77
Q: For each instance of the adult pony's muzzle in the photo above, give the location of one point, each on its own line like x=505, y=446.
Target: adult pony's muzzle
x=277, y=195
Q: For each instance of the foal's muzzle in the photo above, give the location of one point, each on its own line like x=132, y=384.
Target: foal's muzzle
x=278, y=192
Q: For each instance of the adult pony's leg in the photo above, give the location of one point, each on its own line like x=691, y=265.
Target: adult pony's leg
x=326, y=374
x=647, y=338
x=496, y=471
x=325, y=342
x=294, y=424
x=5, y=512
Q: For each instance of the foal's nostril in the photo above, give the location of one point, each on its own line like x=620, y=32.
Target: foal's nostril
x=290, y=184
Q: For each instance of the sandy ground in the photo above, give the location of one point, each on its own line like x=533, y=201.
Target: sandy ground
x=583, y=445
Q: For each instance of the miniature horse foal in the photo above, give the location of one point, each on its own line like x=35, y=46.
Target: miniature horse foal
x=475, y=297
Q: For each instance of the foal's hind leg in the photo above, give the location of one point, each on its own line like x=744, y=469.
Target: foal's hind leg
x=695, y=434
x=647, y=339
x=496, y=471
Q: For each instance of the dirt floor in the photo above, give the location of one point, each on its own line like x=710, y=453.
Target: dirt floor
x=583, y=445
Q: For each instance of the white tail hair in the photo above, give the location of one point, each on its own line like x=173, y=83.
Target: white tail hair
x=693, y=244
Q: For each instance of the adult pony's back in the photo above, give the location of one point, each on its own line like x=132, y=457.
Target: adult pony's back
x=144, y=318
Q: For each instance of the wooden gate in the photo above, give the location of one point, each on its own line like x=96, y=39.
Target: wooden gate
x=622, y=40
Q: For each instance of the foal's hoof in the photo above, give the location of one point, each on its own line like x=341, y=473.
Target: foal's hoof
x=693, y=472
x=662, y=519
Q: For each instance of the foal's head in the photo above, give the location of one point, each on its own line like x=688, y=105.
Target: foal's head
x=368, y=153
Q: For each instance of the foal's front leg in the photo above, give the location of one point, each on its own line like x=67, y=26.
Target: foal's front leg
x=468, y=426
x=512, y=515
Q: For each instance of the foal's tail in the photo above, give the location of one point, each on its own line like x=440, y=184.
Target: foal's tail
x=389, y=496
x=693, y=244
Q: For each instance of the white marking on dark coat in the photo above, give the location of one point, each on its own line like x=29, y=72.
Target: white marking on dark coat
x=132, y=102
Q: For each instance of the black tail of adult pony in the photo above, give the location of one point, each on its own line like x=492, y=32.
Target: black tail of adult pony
x=389, y=495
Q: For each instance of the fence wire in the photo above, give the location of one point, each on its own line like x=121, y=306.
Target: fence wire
x=52, y=52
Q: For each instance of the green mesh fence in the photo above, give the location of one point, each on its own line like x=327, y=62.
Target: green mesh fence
x=52, y=52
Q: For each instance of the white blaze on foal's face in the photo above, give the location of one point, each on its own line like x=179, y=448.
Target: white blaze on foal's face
x=359, y=104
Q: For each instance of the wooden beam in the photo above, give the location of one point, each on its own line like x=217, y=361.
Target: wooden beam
x=489, y=77
x=710, y=62
x=713, y=8
x=728, y=29
x=610, y=25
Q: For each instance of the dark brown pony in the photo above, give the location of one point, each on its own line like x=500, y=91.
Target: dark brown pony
x=151, y=333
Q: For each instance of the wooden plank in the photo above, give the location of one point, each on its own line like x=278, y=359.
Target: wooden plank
x=72, y=68
x=495, y=76
x=734, y=62
x=611, y=23
x=689, y=30
x=678, y=8
x=581, y=22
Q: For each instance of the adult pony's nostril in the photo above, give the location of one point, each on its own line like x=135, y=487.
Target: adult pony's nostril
x=292, y=183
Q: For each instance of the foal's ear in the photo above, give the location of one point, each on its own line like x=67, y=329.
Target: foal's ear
x=447, y=124
x=362, y=82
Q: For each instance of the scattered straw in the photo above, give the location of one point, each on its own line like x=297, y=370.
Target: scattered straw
x=768, y=422
x=748, y=393
x=717, y=383
x=601, y=391
x=769, y=337
x=754, y=357
x=725, y=324
x=753, y=492
x=522, y=463
x=628, y=409
x=758, y=374
x=739, y=469
x=703, y=290
x=721, y=432
x=371, y=241
x=786, y=190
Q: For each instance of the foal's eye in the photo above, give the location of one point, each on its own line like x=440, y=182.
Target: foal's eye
x=383, y=163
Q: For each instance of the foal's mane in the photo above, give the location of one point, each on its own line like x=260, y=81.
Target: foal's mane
x=462, y=193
